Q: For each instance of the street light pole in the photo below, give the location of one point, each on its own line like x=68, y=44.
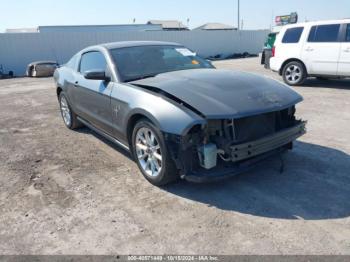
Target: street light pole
x=238, y=16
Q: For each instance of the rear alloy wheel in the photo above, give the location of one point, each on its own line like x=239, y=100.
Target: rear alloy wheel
x=68, y=116
x=294, y=73
x=151, y=154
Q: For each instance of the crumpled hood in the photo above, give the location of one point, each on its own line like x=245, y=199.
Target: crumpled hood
x=224, y=93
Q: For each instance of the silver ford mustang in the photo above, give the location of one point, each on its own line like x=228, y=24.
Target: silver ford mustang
x=177, y=114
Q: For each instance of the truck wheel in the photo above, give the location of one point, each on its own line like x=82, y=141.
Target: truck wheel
x=294, y=73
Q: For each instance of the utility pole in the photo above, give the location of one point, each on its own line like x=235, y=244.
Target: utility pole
x=238, y=16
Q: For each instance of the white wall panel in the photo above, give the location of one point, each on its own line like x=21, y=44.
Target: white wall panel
x=18, y=50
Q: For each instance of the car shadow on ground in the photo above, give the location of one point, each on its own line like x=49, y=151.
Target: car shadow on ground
x=315, y=185
x=330, y=83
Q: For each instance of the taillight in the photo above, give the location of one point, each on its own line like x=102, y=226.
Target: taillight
x=273, y=51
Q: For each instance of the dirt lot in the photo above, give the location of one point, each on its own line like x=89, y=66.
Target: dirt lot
x=72, y=192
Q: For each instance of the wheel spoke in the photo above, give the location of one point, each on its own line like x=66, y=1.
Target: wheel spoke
x=153, y=168
x=141, y=146
x=141, y=137
x=152, y=137
x=148, y=138
x=158, y=156
x=157, y=165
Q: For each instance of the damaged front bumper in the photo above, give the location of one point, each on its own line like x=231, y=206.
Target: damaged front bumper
x=243, y=156
x=219, y=173
x=257, y=147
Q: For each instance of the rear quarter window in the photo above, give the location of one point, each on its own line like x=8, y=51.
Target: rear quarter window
x=324, y=33
x=292, y=35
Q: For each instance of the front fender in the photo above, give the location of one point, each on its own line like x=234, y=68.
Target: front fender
x=166, y=114
x=172, y=122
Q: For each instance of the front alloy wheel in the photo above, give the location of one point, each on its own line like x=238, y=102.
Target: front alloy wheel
x=148, y=152
x=151, y=154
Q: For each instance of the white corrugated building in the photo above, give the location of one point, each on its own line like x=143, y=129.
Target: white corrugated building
x=59, y=43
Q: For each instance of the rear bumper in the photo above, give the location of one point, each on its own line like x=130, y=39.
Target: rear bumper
x=275, y=64
x=248, y=154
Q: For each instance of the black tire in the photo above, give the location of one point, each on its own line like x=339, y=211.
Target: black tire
x=168, y=172
x=297, y=79
x=263, y=58
x=74, y=123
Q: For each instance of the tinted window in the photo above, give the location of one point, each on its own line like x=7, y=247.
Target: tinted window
x=92, y=61
x=324, y=33
x=292, y=35
x=146, y=61
x=348, y=33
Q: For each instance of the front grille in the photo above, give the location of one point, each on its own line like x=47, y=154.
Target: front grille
x=257, y=126
x=253, y=127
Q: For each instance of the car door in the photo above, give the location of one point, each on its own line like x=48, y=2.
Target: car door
x=321, y=50
x=93, y=97
x=344, y=57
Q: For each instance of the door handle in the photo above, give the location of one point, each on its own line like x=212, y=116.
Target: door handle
x=309, y=49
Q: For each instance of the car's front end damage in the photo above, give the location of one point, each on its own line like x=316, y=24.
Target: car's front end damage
x=245, y=119
x=226, y=147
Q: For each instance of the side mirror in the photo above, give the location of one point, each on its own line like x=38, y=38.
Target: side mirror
x=97, y=75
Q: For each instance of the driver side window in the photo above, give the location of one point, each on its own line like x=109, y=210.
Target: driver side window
x=92, y=61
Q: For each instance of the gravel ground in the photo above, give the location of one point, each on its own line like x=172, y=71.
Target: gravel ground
x=72, y=192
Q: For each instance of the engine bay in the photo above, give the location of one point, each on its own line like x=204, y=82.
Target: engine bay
x=224, y=142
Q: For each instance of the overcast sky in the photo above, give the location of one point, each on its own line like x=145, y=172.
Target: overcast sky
x=256, y=14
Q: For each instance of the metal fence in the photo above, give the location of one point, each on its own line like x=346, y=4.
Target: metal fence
x=18, y=50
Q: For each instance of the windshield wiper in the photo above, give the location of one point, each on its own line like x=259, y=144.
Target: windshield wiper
x=140, y=77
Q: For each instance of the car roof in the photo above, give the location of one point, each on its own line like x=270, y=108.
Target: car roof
x=320, y=22
x=123, y=44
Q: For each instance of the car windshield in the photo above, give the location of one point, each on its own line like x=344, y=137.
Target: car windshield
x=134, y=63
